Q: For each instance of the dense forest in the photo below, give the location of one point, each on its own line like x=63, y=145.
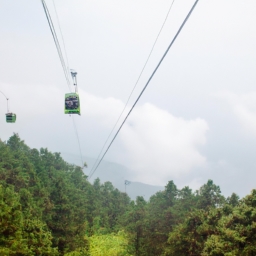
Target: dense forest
x=48, y=207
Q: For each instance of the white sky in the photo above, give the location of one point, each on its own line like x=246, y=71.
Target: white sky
x=197, y=118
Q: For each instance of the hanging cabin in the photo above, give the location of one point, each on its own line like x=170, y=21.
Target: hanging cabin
x=72, y=103
x=10, y=117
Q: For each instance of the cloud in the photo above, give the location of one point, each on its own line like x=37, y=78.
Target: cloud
x=159, y=146
x=244, y=108
x=153, y=143
x=106, y=110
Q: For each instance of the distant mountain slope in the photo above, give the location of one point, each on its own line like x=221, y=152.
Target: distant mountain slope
x=140, y=189
x=116, y=174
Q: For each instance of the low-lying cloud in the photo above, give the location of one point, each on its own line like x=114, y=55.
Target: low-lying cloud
x=156, y=145
x=161, y=146
x=244, y=109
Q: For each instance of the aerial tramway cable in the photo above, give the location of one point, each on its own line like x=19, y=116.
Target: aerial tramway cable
x=150, y=78
x=62, y=60
x=144, y=66
x=79, y=144
x=64, y=45
x=56, y=41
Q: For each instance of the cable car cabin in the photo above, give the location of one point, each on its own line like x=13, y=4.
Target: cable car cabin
x=72, y=103
x=10, y=118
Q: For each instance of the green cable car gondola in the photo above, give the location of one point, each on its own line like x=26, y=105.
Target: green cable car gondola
x=10, y=117
x=72, y=102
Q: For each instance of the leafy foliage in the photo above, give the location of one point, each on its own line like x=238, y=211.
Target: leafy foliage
x=109, y=245
x=49, y=208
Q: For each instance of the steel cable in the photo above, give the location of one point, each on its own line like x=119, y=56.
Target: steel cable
x=150, y=78
x=144, y=66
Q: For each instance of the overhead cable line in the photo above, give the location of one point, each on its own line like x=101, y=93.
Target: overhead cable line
x=150, y=78
x=65, y=68
x=150, y=53
x=64, y=46
x=66, y=55
x=79, y=145
x=56, y=41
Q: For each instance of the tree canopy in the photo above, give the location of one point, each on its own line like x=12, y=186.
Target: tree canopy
x=48, y=207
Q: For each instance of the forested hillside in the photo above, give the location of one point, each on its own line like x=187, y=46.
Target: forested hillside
x=47, y=207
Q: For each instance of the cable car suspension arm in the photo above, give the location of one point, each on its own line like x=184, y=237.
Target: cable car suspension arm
x=7, y=102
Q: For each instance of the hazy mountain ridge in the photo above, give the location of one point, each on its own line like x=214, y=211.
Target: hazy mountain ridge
x=116, y=174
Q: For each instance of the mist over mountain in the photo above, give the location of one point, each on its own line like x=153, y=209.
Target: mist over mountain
x=116, y=174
